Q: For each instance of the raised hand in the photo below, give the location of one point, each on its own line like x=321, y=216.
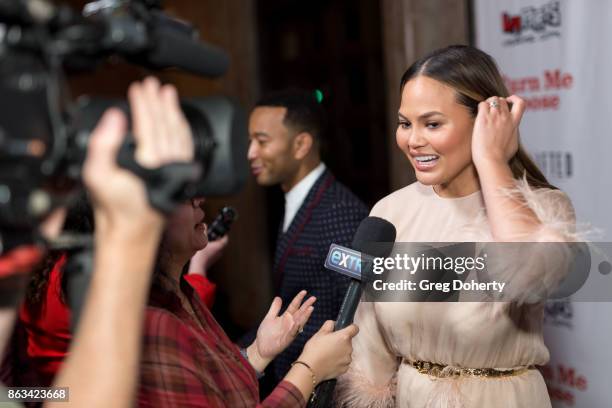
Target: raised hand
x=495, y=136
x=162, y=136
x=276, y=332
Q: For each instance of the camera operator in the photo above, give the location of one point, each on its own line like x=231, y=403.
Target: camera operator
x=127, y=236
x=102, y=367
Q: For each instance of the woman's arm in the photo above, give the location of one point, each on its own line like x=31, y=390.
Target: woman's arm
x=531, y=227
x=494, y=143
x=510, y=217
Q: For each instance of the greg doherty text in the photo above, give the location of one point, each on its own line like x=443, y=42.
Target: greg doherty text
x=425, y=285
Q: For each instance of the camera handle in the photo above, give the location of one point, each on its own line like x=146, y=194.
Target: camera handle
x=168, y=185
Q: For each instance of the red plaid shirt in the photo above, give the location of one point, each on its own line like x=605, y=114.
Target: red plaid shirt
x=190, y=362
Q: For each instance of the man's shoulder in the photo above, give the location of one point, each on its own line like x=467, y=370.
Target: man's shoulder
x=338, y=212
x=339, y=196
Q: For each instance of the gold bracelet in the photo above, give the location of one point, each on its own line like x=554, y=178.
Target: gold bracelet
x=314, y=377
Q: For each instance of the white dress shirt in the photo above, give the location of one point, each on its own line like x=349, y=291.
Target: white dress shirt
x=296, y=196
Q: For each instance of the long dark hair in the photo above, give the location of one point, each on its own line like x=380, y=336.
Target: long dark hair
x=79, y=219
x=474, y=76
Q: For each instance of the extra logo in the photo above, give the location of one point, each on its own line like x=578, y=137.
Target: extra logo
x=532, y=23
x=347, y=261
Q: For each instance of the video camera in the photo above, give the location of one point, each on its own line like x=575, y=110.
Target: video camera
x=44, y=134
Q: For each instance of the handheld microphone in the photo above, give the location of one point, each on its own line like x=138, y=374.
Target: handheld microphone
x=374, y=238
x=222, y=223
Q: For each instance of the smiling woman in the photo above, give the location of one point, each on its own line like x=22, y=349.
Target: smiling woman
x=434, y=132
x=459, y=130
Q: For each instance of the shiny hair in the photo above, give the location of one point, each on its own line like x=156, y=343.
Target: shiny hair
x=474, y=76
x=304, y=112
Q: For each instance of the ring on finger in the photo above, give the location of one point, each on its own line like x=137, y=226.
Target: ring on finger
x=494, y=103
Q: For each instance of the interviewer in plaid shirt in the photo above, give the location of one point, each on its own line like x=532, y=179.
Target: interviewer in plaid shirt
x=187, y=359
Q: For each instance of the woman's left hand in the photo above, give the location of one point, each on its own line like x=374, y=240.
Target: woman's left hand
x=276, y=332
x=495, y=135
x=202, y=260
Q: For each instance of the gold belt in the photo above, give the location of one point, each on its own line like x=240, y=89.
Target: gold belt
x=444, y=371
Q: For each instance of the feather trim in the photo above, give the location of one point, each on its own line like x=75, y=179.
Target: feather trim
x=354, y=390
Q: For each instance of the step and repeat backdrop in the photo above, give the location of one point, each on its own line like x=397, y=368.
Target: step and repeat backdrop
x=557, y=55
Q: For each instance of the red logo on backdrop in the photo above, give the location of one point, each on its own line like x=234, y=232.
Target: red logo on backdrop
x=533, y=23
x=552, y=81
x=545, y=92
x=563, y=382
x=512, y=24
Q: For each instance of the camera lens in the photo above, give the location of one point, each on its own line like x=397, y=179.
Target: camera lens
x=220, y=138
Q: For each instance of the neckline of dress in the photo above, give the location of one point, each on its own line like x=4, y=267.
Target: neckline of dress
x=429, y=191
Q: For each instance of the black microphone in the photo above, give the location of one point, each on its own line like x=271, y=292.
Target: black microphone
x=374, y=238
x=172, y=48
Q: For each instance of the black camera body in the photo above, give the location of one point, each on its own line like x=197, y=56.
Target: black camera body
x=44, y=133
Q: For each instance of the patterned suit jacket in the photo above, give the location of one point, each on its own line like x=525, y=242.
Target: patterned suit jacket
x=329, y=214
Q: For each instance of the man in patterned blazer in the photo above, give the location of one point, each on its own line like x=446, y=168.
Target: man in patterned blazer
x=285, y=131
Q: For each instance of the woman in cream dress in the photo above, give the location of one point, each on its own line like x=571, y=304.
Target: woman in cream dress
x=459, y=130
